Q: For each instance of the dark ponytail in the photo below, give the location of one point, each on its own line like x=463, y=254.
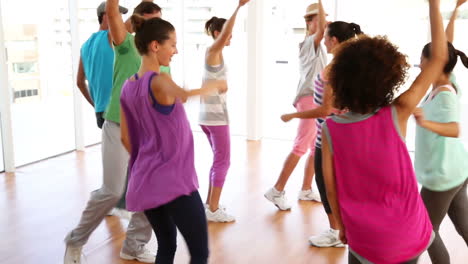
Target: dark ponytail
x=463, y=58
x=137, y=22
x=356, y=28
x=343, y=31
x=453, y=55
x=214, y=24
x=154, y=29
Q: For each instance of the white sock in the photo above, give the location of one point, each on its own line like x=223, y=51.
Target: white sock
x=276, y=191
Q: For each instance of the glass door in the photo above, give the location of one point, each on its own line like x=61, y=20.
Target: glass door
x=38, y=48
x=2, y=162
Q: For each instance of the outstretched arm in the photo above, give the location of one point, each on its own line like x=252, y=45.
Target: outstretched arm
x=163, y=84
x=322, y=111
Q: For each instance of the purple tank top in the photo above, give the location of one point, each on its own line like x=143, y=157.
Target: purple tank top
x=161, y=166
x=384, y=216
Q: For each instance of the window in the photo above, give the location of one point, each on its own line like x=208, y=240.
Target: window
x=285, y=28
x=2, y=165
x=24, y=67
x=40, y=76
x=88, y=24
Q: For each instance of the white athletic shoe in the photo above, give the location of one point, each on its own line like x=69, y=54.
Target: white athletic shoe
x=122, y=213
x=145, y=256
x=329, y=238
x=278, y=198
x=309, y=195
x=219, y=215
x=220, y=206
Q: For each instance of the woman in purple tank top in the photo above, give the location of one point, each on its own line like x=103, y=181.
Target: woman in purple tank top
x=369, y=177
x=155, y=131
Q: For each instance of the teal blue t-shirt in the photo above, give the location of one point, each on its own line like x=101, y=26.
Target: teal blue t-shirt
x=97, y=57
x=440, y=162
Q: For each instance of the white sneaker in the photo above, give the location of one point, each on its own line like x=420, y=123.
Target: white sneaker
x=277, y=198
x=309, y=195
x=145, y=256
x=219, y=215
x=122, y=213
x=328, y=238
x=72, y=255
x=111, y=212
x=220, y=206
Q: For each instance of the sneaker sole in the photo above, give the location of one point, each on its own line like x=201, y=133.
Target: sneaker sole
x=128, y=257
x=276, y=204
x=337, y=245
x=215, y=221
x=313, y=200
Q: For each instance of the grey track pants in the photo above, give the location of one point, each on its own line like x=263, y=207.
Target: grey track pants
x=114, y=162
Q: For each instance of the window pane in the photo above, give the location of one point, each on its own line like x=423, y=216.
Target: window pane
x=88, y=24
x=461, y=72
x=39, y=68
x=2, y=164
x=285, y=29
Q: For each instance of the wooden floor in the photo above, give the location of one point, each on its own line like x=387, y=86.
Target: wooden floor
x=41, y=202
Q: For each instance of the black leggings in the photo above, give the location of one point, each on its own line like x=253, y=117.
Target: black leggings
x=188, y=215
x=353, y=260
x=320, y=180
x=438, y=204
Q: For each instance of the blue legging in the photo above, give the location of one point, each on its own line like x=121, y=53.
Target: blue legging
x=188, y=215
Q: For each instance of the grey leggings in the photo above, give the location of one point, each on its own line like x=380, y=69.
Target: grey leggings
x=438, y=204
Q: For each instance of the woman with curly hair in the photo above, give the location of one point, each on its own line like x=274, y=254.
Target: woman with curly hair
x=440, y=158
x=335, y=34
x=369, y=177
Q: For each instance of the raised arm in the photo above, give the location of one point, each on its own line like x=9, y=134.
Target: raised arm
x=407, y=102
x=81, y=83
x=226, y=33
x=450, y=30
x=117, y=28
x=321, y=23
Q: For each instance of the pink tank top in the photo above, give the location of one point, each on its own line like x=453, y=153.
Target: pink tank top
x=384, y=216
